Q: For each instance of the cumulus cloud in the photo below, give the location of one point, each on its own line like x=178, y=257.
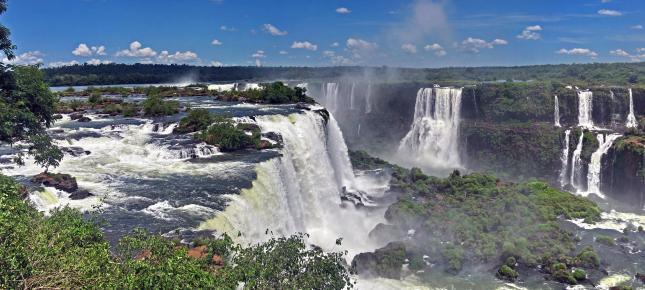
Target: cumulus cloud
x=63, y=63
x=335, y=44
x=409, y=48
x=304, y=45
x=343, y=10
x=96, y=61
x=608, y=12
x=177, y=57
x=84, y=50
x=216, y=42
x=336, y=59
x=637, y=27
x=270, y=29
x=359, y=47
x=216, y=63
x=531, y=33
x=436, y=48
x=283, y=52
x=475, y=45
x=638, y=56
x=27, y=58
x=137, y=50
x=578, y=52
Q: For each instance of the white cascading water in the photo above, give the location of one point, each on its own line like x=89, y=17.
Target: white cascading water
x=368, y=99
x=556, y=112
x=585, y=107
x=565, y=158
x=433, y=137
x=351, y=97
x=631, y=117
x=300, y=191
x=330, y=96
x=595, y=165
x=576, y=162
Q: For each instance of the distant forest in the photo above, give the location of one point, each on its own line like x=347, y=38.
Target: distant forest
x=582, y=74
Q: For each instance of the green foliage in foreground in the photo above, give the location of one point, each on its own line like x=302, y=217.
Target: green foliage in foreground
x=221, y=131
x=65, y=251
x=477, y=219
x=155, y=106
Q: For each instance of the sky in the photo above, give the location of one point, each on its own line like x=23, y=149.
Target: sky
x=399, y=33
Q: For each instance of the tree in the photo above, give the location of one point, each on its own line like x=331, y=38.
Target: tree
x=26, y=105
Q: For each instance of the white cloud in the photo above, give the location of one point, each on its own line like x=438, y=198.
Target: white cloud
x=270, y=29
x=335, y=44
x=304, y=45
x=360, y=47
x=283, y=52
x=136, y=50
x=436, y=48
x=63, y=63
x=258, y=62
x=177, y=57
x=578, y=51
x=328, y=53
x=619, y=52
x=259, y=54
x=27, y=58
x=227, y=28
x=82, y=50
x=343, y=10
x=640, y=50
x=637, y=27
x=409, y=48
x=531, y=33
x=99, y=50
x=474, y=45
x=216, y=63
x=95, y=61
x=608, y=12
x=216, y=42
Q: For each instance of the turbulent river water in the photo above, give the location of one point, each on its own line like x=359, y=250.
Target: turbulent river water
x=143, y=175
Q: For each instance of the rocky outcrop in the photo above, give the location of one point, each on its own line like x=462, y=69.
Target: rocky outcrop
x=80, y=194
x=385, y=262
x=623, y=177
x=60, y=181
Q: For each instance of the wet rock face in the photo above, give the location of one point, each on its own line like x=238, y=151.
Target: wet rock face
x=80, y=194
x=385, y=262
x=623, y=174
x=64, y=182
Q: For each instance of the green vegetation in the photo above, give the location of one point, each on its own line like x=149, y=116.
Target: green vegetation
x=507, y=273
x=228, y=136
x=605, y=240
x=155, y=106
x=363, y=161
x=66, y=251
x=478, y=219
x=197, y=120
x=272, y=93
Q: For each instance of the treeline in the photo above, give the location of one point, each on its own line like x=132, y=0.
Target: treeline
x=582, y=74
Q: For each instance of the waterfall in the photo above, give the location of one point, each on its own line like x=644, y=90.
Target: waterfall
x=330, y=95
x=368, y=99
x=301, y=190
x=432, y=139
x=351, y=97
x=565, y=158
x=585, y=107
x=576, y=162
x=631, y=117
x=595, y=165
x=556, y=112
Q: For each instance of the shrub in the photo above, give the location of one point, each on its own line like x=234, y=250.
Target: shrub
x=95, y=98
x=155, y=106
x=196, y=120
x=579, y=274
x=605, y=240
x=507, y=273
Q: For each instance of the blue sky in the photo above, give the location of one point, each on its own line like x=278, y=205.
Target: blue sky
x=414, y=33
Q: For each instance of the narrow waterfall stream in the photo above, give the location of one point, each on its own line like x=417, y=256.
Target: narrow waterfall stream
x=565, y=158
x=595, y=165
x=556, y=112
x=631, y=117
x=585, y=107
x=576, y=163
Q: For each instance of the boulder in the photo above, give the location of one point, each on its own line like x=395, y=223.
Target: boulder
x=384, y=232
x=76, y=116
x=80, y=194
x=57, y=116
x=64, y=182
x=385, y=262
x=84, y=119
x=264, y=144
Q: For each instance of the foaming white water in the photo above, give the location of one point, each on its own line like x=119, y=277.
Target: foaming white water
x=556, y=112
x=351, y=96
x=300, y=191
x=585, y=107
x=595, y=165
x=165, y=211
x=576, y=162
x=433, y=137
x=368, y=99
x=614, y=220
x=222, y=87
x=564, y=158
x=330, y=96
x=631, y=117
